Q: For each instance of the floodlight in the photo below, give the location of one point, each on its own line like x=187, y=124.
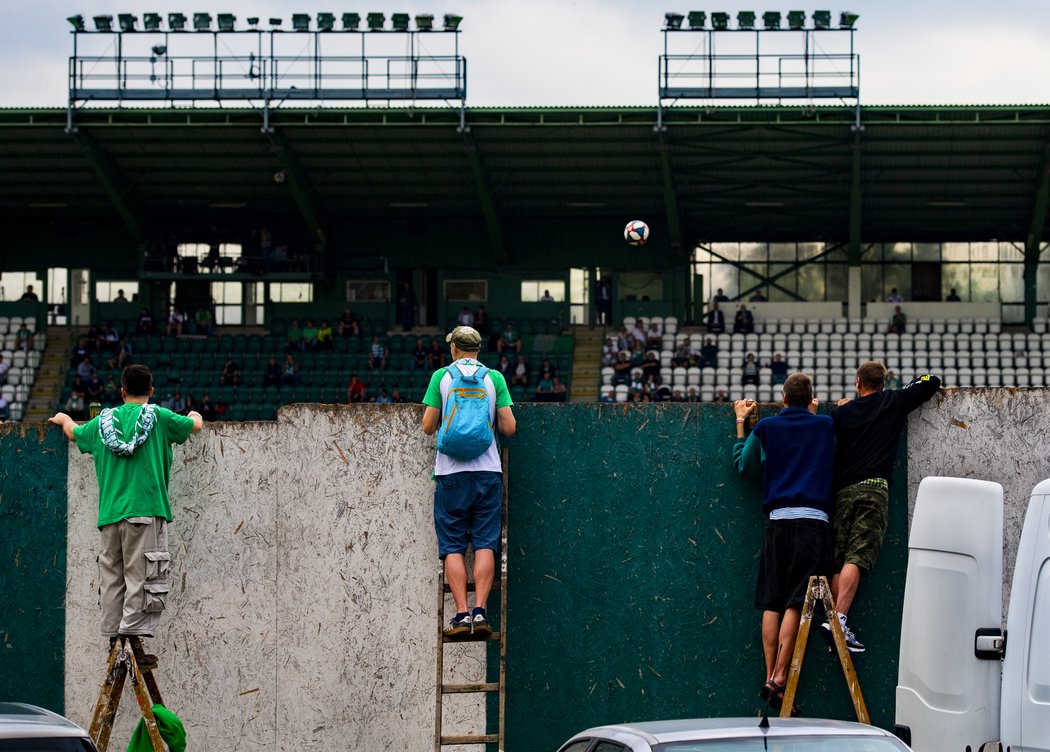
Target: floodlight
x=351, y=21
x=202, y=22
x=847, y=19
x=452, y=22
x=745, y=19
x=796, y=19
x=177, y=21
x=159, y=50
x=253, y=21
x=697, y=19
x=673, y=21
x=151, y=21
x=103, y=23
x=227, y=21
x=275, y=22
x=719, y=21
x=376, y=21
x=822, y=19
x=301, y=21
x=325, y=21
x=425, y=22
x=77, y=22
x=400, y=21
x=127, y=21
x=771, y=20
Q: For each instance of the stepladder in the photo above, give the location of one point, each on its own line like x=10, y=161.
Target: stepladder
x=819, y=590
x=494, y=681
x=127, y=660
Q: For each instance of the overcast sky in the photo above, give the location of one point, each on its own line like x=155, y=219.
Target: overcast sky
x=604, y=52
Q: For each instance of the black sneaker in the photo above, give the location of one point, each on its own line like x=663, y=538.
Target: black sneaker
x=458, y=627
x=479, y=626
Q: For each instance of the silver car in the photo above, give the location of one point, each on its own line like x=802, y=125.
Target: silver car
x=27, y=728
x=736, y=735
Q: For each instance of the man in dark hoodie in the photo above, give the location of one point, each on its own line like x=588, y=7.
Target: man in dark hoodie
x=794, y=453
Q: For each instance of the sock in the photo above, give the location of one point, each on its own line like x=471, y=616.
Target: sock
x=842, y=617
x=478, y=611
x=462, y=615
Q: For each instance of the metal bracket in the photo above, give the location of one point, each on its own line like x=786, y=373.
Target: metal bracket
x=989, y=644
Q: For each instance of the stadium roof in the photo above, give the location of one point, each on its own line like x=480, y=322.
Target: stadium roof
x=730, y=173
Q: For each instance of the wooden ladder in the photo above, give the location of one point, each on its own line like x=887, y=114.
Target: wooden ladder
x=819, y=589
x=499, y=585
x=127, y=658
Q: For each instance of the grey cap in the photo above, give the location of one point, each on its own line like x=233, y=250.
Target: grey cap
x=465, y=338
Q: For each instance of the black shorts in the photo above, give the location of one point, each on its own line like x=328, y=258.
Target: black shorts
x=793, y=551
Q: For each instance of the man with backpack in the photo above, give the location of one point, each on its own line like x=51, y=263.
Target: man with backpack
x=467, y=402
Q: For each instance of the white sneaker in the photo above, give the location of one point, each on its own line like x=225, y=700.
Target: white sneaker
x=852, y=643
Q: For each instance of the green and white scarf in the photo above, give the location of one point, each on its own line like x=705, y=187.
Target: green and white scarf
x=112, y=436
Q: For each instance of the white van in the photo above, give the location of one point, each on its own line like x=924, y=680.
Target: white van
x=963, y=679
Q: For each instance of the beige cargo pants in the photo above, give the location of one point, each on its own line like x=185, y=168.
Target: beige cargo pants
x=133, y=575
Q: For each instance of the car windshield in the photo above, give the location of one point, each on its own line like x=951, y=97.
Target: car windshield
x=788, y=744
x=61, y=744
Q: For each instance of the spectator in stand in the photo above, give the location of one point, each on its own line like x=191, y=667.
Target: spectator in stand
x=653, y=336
x=5, y=408
x=677, y=395
x=85, y=368
x=81, y=351
x=892, y=382
x=546, y=297
x=222, y=407
x=622, y=369
x=309, y=336
x=758, y=297
x=377, y=355
x=684, y=356
x=406, y=306
x=4, y=367
x=744, y=323
x=420, y=355
x=325, y=341
x=93, y=333
x=720, y=297
x=544, y=384
x=168, y=403
x=29, y=295
x=205, y=321
x=899, y=322
x=76, y=405
x=176, y=322
x=145, y=323
x=637, y=353
x=638, y=334
x=289, y=371
x=384, y=397
x=25, y=338
x=508, y=340
x=607, y=397
x=506, y=368
x=521, y=372
x=231, y=373
x=122, y=356
x=693, y=395
x=558, y=391
x=178, y=403
x=348, y=324
x=395, y=396
x=547, y=366
x=637, y=385
x=750, y=371
x=894, y=296
x=295, y=337
x=716, y=320
x=481, y=321
x=709, y=354
x=435, y=356
x=465, y=318
x=190, y=405
x=272, y=375
x=207, y=408
x=107, y=339
x=623, y=339
x=120, y=297
x=721, y=397
x=653, y=385
x=779, y=369
x=650, y=366
x=603, y=300
x=953, y=297
x=355, y=389
x=609, y=350
x=95, y=387
x=111, y=392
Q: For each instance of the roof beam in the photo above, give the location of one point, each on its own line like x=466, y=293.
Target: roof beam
x=1034, y=241
x=298, y=184
x=674, y=223
x=485, y=198
x=114, y=184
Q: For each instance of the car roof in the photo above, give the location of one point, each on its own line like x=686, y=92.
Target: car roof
x=22, y=720
x=697, y=729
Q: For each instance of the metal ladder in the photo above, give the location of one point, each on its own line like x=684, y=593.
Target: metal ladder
x=498, y=585
x=819, y=589
x=127, y=658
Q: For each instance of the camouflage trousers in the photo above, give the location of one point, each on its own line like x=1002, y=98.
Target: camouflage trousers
x=859, y=523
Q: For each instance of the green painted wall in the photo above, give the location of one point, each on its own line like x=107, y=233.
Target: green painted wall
x=32, y=564
x=633, y=557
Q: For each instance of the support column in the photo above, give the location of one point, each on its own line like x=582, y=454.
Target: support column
x=1034, y=242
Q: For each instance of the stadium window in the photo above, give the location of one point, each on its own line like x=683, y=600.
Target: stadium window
x=579, y=296
x=367, y=291
x=208, y=257
x=106, y=291
x=984, y=282
x=535, y=290
x=14, y=284
x=926, y=252
x=984, y=251
x=956, y=277
x=291, y=292
x=641, y=286
x=227, y=297
x=467, y=290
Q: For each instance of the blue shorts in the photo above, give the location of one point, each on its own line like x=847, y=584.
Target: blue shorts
x=468, y=509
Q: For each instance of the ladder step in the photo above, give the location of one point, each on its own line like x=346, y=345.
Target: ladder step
x=470, y=587
x=471, y=739
x=491, y=638
x=459, y=689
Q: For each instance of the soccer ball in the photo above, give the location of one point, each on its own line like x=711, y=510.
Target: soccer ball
x=636, y=232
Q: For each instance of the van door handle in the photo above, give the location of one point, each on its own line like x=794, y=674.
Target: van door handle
x=989, y=644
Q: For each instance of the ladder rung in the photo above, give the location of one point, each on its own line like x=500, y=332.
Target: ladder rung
x=458, y=689
x=471, y=739
x=470, y=587
x=491, y=638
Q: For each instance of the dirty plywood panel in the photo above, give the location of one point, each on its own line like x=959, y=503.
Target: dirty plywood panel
x=217, y=640
x=1001, y=435
x=32, y=563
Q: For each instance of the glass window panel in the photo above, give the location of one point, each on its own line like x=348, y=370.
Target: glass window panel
x=899, y=276
x=837, y=281
x=896, y=251
x=872, y=252
x=1011, y=252
x=1013, y=314
x=926, y=251
x=723, y=276
x=752, y=276
x=809, y=250
x=984, y=251
x=984, y=282
x=754, y=252
x=1043, y=283
x=871, y=283
x=14, y=284
x=1011, y=283
x=226, y=293
x=955, y=252
x=703, y=256
x=789, y=283
x=783, y=252
x=839, y=255
x=292, y=292
x=641, y=285
x=956, y=276
x=534, y=290
x=579, y=280
x=811, y=282
x=370, y=291
x=729, y=251
x=106, y=291
x=467, y=290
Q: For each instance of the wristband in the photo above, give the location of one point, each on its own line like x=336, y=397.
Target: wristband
x=740, y=420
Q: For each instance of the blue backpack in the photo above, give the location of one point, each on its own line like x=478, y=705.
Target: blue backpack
x=466, y=431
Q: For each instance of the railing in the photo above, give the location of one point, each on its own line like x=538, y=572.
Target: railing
x=759, y=76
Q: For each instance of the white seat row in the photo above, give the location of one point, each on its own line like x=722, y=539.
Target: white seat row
x=835, y=342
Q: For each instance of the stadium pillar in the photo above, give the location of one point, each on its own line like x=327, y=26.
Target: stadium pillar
x=1034, y=241
x=113, y=183
x=855, y=290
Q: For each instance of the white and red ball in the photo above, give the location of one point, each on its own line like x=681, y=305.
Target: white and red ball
x=636, y=232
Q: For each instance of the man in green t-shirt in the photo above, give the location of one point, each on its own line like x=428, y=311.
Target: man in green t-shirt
x=468, y=495
x=131, y=447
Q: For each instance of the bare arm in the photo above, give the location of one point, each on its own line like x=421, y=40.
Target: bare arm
x=198, y=421
x=431, y=420
x=66, y=423
x=506, y=422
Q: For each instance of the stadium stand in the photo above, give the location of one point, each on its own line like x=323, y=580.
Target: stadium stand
x=22, y=363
